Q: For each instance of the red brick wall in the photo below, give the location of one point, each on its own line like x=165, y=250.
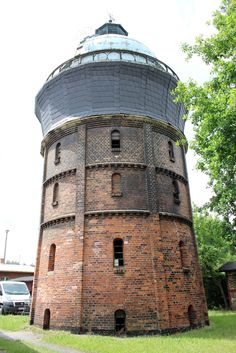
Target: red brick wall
x=66, y=198
x=99, y=189
x=154, y=288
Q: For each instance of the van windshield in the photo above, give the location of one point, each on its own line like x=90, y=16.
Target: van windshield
x=15, y=288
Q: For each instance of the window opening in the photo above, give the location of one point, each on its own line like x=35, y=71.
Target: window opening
x=176, y=192
x=118, y=253
x=120, y=317
x=116, y=184
x=46, y=319
x=51, y=260
x=115, y=140
x=191, y=315
x=57, y=153
x=55, y=194
x=171, y=151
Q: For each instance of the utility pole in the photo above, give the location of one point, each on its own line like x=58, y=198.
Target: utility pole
x=7, y=231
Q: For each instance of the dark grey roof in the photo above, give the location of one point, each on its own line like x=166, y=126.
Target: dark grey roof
x=229, y=266
x=23, y=279
x=108, y=88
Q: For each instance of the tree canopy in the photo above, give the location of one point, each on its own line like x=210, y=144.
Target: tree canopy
x=212, y=108
x=215, y=248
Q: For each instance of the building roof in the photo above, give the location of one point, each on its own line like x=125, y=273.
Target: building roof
x=23, y=279
x=229, y=266
x=16, y=268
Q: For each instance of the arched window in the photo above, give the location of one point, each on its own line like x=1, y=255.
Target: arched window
x=115, y=140
x=171, y=151
x=55, y=194
x=120, y=317
x=46, y=319
x=116, y=184
x=57, y=153
x=118, y=253
x=176, y=192
x=51, y=260
x=191, y=316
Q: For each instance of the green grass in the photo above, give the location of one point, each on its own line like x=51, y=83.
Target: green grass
x=219, y=337
x=13, y=322
x=21, y=347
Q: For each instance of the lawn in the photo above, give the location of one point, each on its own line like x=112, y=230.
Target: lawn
x=13, y=323
x=219, y=337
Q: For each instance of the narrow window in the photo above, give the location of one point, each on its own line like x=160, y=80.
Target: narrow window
x=191, y=316
x=55, y=194
x=176, y=192
x=46, y=319
x=51, y=260
x=181, y=250
x=171, y=151
x=116, y=184
x=57, y=153
x=120, y=317
x=118, y=253
x=115, y=140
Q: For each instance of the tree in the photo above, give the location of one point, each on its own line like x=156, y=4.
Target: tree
x=212, y=108
x=214, y=249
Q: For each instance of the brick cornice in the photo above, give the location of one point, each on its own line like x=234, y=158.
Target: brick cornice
x=59, y=220
x=171, y=174
x=174, y=215
x=116, y=212
x=59, y=176
x=71, y=126
x=116, y=165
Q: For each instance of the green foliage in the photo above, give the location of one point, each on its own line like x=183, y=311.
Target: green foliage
x=215, y=240
x=212, y=108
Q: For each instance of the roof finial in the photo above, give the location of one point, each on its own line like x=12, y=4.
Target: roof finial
x=111, y=18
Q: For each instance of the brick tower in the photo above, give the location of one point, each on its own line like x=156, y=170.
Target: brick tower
x=116, y=250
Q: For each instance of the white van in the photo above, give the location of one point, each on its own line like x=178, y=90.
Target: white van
x=14, y=297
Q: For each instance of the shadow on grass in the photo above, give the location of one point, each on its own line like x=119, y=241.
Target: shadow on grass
x=8, y=345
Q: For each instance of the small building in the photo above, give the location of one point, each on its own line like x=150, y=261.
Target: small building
x=20, y=273
x=230, y=270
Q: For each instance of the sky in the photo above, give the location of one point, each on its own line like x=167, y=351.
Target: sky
x=37, y=36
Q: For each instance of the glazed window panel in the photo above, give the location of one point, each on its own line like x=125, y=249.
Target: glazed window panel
x=57, y=153
x=115, y=141
x=118, y=253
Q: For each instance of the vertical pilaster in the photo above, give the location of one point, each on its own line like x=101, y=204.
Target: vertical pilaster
x=151, y=172
x=79, y=216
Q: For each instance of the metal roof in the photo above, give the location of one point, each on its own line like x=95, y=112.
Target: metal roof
x=16, y=268
x=229, y=266
x=112, y=42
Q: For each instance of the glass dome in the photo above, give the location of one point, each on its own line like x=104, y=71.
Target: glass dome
x=109, y=42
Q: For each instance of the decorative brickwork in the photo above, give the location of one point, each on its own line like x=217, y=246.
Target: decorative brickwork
x=116, y=251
